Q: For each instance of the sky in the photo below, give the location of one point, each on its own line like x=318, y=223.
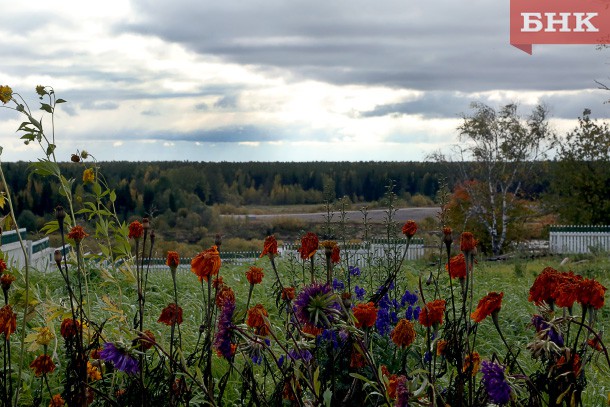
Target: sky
x=277, y=80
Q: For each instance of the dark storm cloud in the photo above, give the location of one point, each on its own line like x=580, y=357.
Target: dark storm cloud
x=433, y=45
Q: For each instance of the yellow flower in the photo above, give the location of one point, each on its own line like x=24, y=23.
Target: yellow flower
x=6, y=94
x=45, y=336
x=40, y=90
x=88, y=175
x=93, y=372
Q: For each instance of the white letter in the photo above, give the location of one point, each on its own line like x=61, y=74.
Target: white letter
x=580, y=22
x=550, y=22
x=528, y=21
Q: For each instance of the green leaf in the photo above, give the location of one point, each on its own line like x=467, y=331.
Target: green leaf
x=327, y=396
x=112, y=196
x=46, y=107
x=97, y=189
x=316, y=381
x=45, y=168
x=60, y=101
x=50, y=227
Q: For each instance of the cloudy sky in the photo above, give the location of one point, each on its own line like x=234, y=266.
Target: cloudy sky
x=278, y=80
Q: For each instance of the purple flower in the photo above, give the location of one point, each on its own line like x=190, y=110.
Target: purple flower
x=280, y=361
x=304, y=355
x=383, y=321
x=354, y=271
x=495, y=382
x=409, y=313
x=120, y=358
x=318, y=305
x=330, y=336
x=547, y=330
x=408, y=298
x=360, y=293
x=338, y=285
x=402, y=392
x=416, y=312
x=222, y=340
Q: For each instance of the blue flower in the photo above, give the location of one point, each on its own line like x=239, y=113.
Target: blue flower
x=120, y=358
x=495, y=382
x=416, y=312
x=354, y=271
x=257, y=359
x=338, y=285
x=280, y=361
x=360, y=293
x=408, y=298
x=409, y=313
x=304, y=355
x=383, y=321
x=330, y=336
x=222, y=340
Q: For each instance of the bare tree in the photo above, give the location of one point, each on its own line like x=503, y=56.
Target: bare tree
x=497, y=153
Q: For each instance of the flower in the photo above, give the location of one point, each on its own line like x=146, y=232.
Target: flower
x=42, y=365
x=170, y=315
x=173, y=259
x=6, y=280
x=568, y=289
x=357, y=359
x=3, y=265
x=225, y=293
x=6, y=94
x=391, y=386
x=44, y=336
x=218, y=283
x=360, y=292
x=409, y=228
x=403, y=334
x=335, y=256
x=288, y=293
x=206, y=264
x=255, y=275
x=591, y=294
x=488, y=305
x=145, y=340
x=69, y=328
x=338, y=285
x=93, y=373
x=402, y=392
x=366, y=315
x=258, y=318
x=545, y=287
x=222, y=339
x=309, y=245
x=472, y=363
x=546, y=330
x=316, y=304
x=441, y=347
x=495, y=382
x=594, y=343
x=8, y=321
x=57, y=401
x=447, y=235
x=270, y=246
x=88, y=176
x=457, y=266
x=120, y=358
x=77, y=233
x=136, y=230
x=467, y=242
x=432, y=313
x=354, y=271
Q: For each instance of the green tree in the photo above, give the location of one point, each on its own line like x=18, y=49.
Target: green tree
x=497, y=155
x=582, y=180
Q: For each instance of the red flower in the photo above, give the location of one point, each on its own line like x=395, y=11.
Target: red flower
x=309, y=245
x=468, y=242
x=288, y=293
x=69, y=328
x=447, y=235
x=42, y=365
x=3, y=265
x=403, y=334
x=173, y=259
x=170, y=315
x=366, y=315
x=457, y=266
x=432, y=313
x=488, y=305
x=145, y=340
x=409, y=229
x=206, y=263
x=270, y=246
x=472, y=362
x=6, y=280
x=441, y=347
x=545, y=286
x=136, y=230
x=225, y=293
x=335, y=255
x=591, y=294
x=255, y=275
x=258, y=318
x=568, y=289
x=8, y=321
x=77, y=233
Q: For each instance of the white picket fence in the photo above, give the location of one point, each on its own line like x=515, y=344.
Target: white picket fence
x=567, y=239
x=39, y=253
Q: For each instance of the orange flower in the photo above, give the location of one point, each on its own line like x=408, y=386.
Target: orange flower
x=366, y=315
x=77, y=233
x=3, y=265
x=403, y=334
x=136, y=230
x=594, y=343
x=6, y=280
x=309, y=245
x=488, y=305
x=42, y=365
x=173, y=259
x=432, y=313
x=6, y=94
x=95, y=353
x=270, y=246
x=145, y=340
x=93, y=372
x=255, y=275
x=69, y=328
x=206, y=264
x=392, y=384
x=223, y=295
x=88, y=175
x=258, y=318
x=457, y=266
x=311, y=329
x=467, y=242
x=545, y=286
x=170, y=315
x=409, y=228
x=288, y=293
x=335, y=256
x=568, y=289
x=472, y=363
x=591, y=294
x=441, y=347
x=8, y=321
x=57, y=401
x=217, y=283
x=447, y=235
